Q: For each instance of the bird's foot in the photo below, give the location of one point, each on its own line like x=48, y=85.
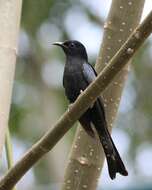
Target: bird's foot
x=81, y=91
x=69, y=107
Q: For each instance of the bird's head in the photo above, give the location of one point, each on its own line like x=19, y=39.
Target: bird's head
x=73, y=48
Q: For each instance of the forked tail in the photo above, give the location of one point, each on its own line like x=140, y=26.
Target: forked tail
x=115, y=164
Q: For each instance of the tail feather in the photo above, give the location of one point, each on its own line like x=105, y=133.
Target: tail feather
x=115, y=164
x=120, y=165
x=111, y=167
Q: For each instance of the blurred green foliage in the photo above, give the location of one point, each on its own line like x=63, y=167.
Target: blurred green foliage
x=38, y=96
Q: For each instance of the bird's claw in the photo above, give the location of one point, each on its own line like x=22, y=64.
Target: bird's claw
x=81, y=91
x=69, y=107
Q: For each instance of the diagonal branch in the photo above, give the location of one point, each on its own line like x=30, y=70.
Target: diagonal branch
x=48, y=141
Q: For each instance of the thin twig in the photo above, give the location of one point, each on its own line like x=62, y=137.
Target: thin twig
x=48, y=141
x=9, y=151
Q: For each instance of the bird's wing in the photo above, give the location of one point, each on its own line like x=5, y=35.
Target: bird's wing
x=89, y=76
x=89, y=73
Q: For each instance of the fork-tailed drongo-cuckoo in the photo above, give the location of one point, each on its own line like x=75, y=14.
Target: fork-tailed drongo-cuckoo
x=78, y=74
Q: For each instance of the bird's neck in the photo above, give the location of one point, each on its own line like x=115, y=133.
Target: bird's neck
x=73, y=64
x=76, y=59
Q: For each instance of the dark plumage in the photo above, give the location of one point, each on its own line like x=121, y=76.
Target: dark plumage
x=78, y=74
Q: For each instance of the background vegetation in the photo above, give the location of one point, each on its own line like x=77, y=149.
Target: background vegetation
x=38, y=96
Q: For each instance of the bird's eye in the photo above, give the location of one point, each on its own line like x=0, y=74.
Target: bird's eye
x=72, y=45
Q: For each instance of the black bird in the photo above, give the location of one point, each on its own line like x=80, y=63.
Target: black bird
x=78, y=74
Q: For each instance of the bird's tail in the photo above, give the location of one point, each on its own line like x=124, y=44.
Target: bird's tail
x=115, y=164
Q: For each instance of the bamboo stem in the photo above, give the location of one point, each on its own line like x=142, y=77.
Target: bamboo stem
x=9, y=27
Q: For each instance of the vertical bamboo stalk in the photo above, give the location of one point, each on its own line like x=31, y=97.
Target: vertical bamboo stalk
x=10, y=11
x=86, y=157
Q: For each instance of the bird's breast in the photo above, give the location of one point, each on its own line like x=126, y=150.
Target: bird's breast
x=73, y=83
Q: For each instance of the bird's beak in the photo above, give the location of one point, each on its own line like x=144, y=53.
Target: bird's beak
x=58, y=44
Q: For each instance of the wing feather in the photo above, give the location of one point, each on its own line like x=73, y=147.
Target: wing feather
x=89, y=73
